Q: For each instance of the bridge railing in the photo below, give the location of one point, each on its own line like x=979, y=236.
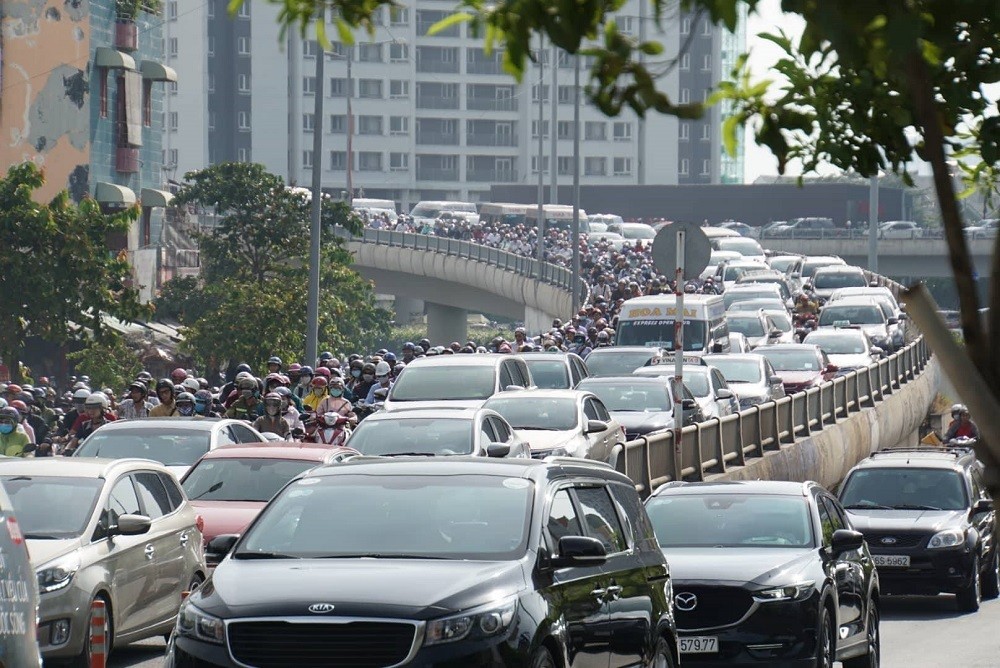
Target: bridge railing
x=526, y=266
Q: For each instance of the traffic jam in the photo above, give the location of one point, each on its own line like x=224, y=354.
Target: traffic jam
x=463, y=505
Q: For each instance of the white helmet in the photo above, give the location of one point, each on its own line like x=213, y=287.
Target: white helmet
x=81, y=395
x=382, y=368
x=191, y=385
x=97, y=400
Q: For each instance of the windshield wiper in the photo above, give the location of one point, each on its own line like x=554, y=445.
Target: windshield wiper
x=377, y=555
x=264, y=555
x=214, y=488
x=910, y=506
x=42, y=536
x=868, y=505
x=410, y=454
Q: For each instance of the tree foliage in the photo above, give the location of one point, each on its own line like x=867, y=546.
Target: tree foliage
x=110, y=361
x=57, y=269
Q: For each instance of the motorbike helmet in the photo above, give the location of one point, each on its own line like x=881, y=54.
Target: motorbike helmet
x=191, y=385
x=274, y=360
x=324, y=372
x=164, y=383
x=80, y=396
x=185, y=403
x=306, y=370
x=320, y=381
x=178, y=375
x=97, y=400
x=382, y=369
x=243, y=367
x=272, y=403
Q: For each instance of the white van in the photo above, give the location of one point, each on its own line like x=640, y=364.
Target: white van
x=506, y=215
x=426, y=210
x=367, y=203
x=559, y=216
x=649, y=321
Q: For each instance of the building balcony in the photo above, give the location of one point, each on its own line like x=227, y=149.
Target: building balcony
x=438, y=66
x=489, y=139
x=490, y=104
x=126, y=35
x=484, y=67
x=491, y=175
x=127, y=159
x=437, y=174
x=436, y=102
x=428, y=138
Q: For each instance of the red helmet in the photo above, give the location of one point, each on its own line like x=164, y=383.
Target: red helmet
x=178, y=374
x=21, y=407
x=322, y=371
x=13, y=389
x=319, y=381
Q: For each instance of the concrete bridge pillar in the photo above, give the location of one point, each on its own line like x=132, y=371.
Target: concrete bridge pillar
x=407, y=309
x=536, y=321
x=446, y=324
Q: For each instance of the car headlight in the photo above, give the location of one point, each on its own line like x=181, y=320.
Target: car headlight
x=57, y=574
x=554, y=452
x=947, y=538
x=792, y=592
x=195, y=623
x=484, y=622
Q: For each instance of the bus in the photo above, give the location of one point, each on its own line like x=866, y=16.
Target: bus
x=506, y=215
x=559, y=216
x=649, y=321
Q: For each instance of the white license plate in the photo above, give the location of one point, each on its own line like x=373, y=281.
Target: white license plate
x=699, y=645
x=891, y=561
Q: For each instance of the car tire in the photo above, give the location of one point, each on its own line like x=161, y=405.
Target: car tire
x=542, y=658
x=83, y=660
x=991, y=578
x=970, y=597
x=663, y=656
x=826, y=639
x=873, y=656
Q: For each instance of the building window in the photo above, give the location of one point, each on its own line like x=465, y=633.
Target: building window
x=339, y=51
x=172, y=10
x=308, y=122
x=685, y=130
x=399, y=16
x=399, y=89
x=243, y=43
x=625, y=24
x=308, y=85
x=243, y=155
x=243, y=121
x=623, y=166
x=338, y=161
x=370, y=88
x=399, y=53
x=370, y=53
x=172, y=121
x=369, y=161
x=706, y=167
x=686, y=26
x=706, y=28
x=309, y=48
x=169, y=158
x=706, y=132
x=566, y=94
x=545, y=129
x=338, y=87
x=244, y=12
x=685, y=167
x=172, y=47
x=564, y=165
x=211, y=120
x=685, y=95
x=338, y=124
x=706, y=62
x=211, y=10
x=545, y=93
x=243, y=83
x=211, y=82
x=102, y=84
x=564, y=129
x=172, y=87
x=211, y=45
x=534, y=164
x=686, y=61
x=147, y=103
x=399, y=162
x=595, y=166
x=595, y=130
x=399, y=125
x=623, y=131
x=307, y=159
x=565, y=60
x=369, y=125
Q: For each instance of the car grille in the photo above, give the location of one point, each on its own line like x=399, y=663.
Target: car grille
x=900, y=540
x=717, y=606
x=277, y=644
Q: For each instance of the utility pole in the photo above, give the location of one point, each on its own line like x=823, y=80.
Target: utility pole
x=873, y=224
x=553, y=173
x=576, y=182
x=315, y=238
x=295, y=104
x=350, y=129
x=540, y=233
x=641, y=148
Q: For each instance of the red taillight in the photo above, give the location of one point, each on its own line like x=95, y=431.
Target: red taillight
x=14, y=529
x=199, y=522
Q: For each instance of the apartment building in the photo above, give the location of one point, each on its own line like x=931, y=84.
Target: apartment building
x=432, y=116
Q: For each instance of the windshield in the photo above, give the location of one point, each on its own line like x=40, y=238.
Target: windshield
x=791, y=360
x=610, y=362
x=697, y=382
x=733, y=273
x=445, y=383
x=737, y=370
x=905, y=488
x=426, y=211
x=631, y=397
x=400, y=435
x=743, y=246
x=831, y=280
x=536, y=413
x=809, y=268
x=730, y=520
x=746, y=326
x=843, y=344
x=781, y=321
x=231, y=479
x=757, y=303
x=181, y=448
x=783, y=263
x=852, y=315
x=548, y=374
x=52, y=507
x=637, y=231
x=660, y=333
x=384, y=516
x=731, y=297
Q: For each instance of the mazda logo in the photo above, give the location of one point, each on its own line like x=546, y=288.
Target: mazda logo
x=888, y=540
x=321, y=608
x=686, y=601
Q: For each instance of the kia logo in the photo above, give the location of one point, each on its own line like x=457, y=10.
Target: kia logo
x=321, y=608
x=686, y=601
x=888, y=540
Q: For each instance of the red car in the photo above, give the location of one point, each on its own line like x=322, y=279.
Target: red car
x=799, y=365
x=228, y=486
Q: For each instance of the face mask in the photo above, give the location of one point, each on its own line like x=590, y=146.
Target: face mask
x=6, y=428
x=305, y=380
x=186, y=409
x=356, y=373
x=369, y=377
x=383, y=379
x=318, y=391
x=336, y=393
x=200, y=406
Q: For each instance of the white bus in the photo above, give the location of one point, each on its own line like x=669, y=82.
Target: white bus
x=492, y=213
x=559, y=216
x=649, y=321
x=427, y=210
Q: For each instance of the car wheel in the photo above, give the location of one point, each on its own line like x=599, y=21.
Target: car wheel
x=542, y=658
x=85, y=658
x=826, y=642
x=871, y=658
x=663, y=657
x=970, y=597
x=991, y=578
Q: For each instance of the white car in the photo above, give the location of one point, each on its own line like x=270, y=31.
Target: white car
x=456, y=381
x=715, y=259
x=899, y=229
x=828, y=280
x=986, y=229
x=561, y=423
x=706, y=383
x=745, y=246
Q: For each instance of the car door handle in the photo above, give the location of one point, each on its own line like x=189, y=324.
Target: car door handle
x=150, y=551
x=184, y=539
x=614, y=592
x=599, y=593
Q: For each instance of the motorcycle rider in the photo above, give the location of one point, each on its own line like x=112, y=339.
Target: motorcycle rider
x=312, y=400
x=97, y=415
x=165, y=393
x=305, y=382
x=203, y=404
x=13, y=441
x=69, y=421
x=361, y=389
x=382, y=381
x=136, y=406
x=334, y=402
x=961, y=425
x=289, y=411
x=332, y=429
x=408, y=352
x=247, y=405
x=274, y=365
x=272, y=420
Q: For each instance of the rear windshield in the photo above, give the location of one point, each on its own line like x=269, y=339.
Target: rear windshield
x=181, y=448
x=831, y=280
x=445, y=383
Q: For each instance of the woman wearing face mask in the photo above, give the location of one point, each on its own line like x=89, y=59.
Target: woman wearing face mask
x=304, y=386
x=272, y=419
x=335, y=402
x=185, y=404
x=316, y=395
x=13, y=441
x=203, y=404
x=367, y=380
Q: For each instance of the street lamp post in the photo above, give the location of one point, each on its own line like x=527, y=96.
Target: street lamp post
x=315, y=231
x=350, y=130
x=576, y=182
x=540, y=233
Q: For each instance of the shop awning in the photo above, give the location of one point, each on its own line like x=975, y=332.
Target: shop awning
x=151, y=197
x=154, y=71
x=112, y=193
x=113, y=59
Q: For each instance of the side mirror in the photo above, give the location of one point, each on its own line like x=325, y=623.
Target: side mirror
x=875, y=350
x=892, y=321
x=832, y=368
x=774, y=334
x=511, y=388
x=220, y=546
x=689, y=404
x=595, y=426
x=579, y=551
x=982, y=506
x=497, y=450
x=131, y=525
x=717, y=348
x=724, y=394
x=775, y=380
x=846, y=540
x=795, y=274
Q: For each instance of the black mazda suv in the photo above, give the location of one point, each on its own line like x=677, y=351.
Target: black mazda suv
x=767, y=574
x=455, y=562
x=928, y=520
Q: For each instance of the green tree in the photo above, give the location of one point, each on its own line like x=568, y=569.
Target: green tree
x=57, y=269
x=109, y=361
